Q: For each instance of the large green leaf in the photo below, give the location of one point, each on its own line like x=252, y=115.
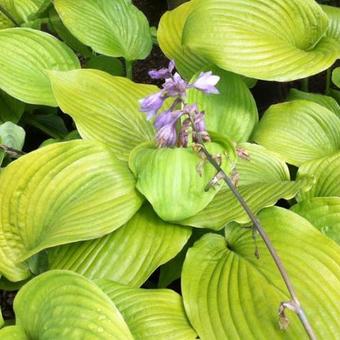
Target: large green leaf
x=129, y=255
x=150, y=313
x=28, y=55
x=64, y=305
x=326, y=172
x=299, y=131
x=333, y=14
x=11, y=109
x=324, y=213
x=24, y=10
x=230, y=294
x=58, y=194
x=169, y=35
x=114, y=28
x=278, y=40
x=233, y=112
x=264, y=179
x=105, y=108
x=326, y=101
x=171, y=181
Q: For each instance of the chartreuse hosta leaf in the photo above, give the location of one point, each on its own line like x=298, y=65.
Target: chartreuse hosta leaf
x=299, y=131
x=105, y=108
x=114, y=28
x=277, y=40
x=233, y=112
x=129, y=255
x=60, y=304
x=326, y=101
x=324, y=213
x=264, y=179
x=333, y=14
x=230, y=294
x=28, y=56
x=169, y=35
x=2, y=322
x=326, y=172
x=150, y=313
x=58, y=194
x=174, y=179
x=5, y=22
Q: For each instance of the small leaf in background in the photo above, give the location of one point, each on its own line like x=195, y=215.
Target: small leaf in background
x=326, y=172
x=336, y=77
x=104, y=108
x=325, y=101
x=13, y=333
x=62, y=193
x=29, y=55
x=270, y=40
x=323, y=213
x=129, y=255
x=113, y=28
x=2, y=322
x=150, y=313
x=12, y=136
x=11, y=109
x=64, y=305
x=299, y=131
x=171, y=180
x=108, y=64
x=263, y=180
x=230, y=294
x=233, y=112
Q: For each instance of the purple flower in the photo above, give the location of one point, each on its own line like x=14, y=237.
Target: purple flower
x=163, y=73
x=167, y=135
x=166, y=118
x=199, y=122
x=183, y=136
x=151, y=104
x=206, y=82
x=175, y=86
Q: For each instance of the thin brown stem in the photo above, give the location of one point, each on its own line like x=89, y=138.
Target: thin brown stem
x=13, y=153
x=257, y=225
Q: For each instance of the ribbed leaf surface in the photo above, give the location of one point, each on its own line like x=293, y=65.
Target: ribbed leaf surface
x=58, y=194
x=326, y=101
x=64, y=305
x=264, y=179
x=326, y=172
x=230, y=294
x=171, y=181
x=129, y=255
x=28, y=56
x=299, y=131
x=278, y=40
x=324, y=213
x=150, y=313
x=333, y=14
x=105, y=108
x=114, y=28
x=233, y=112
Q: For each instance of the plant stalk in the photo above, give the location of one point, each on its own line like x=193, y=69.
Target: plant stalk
x=13, y=153
x=328, y=81
x=257, y=225
x=305, y=84
x=128, y=68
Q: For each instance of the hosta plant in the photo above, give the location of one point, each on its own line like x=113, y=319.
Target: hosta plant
x=177, y=211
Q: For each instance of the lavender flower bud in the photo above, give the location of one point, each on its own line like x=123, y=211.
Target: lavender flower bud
x=167, y=135
x=151, y=104
x=206, y=82
x=163, y=73
x=184, y=133
x=166, y=118
x=175, y=86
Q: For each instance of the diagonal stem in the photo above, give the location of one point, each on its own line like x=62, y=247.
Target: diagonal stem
x=298, y=308
x=13, y=153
